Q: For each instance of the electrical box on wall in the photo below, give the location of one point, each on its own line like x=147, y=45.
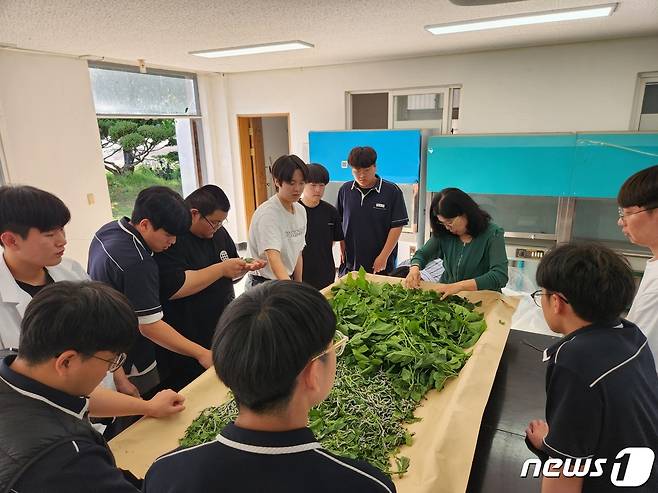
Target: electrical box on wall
x=530, y=253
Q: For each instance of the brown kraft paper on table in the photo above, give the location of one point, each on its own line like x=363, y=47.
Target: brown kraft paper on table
x=444, y=440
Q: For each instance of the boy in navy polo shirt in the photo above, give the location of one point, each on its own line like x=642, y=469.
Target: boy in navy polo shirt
x=601, y=382
x=275, y=348
x=323, y=227
x=373, y=214
x=121, y=255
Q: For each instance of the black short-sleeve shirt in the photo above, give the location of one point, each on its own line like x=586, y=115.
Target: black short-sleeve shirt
x=194, y=316
x=323, y=227
x=602, y=397
x=119, y=256
x=367, y=218
x=256, y=461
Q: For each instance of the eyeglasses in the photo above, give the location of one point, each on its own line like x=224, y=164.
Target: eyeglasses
x=623, y=215
x=448, y=222
x=115, y=363
x=537, y=294
x=214, y=225
x=340, y=341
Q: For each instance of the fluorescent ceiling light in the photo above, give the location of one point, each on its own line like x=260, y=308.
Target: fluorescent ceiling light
x=253, y=49
x=524, y=19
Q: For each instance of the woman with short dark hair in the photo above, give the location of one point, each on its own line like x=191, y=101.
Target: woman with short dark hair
x=471, y=246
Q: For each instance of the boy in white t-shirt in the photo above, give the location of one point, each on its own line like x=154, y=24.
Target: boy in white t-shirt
x=638, y=220
x=278, y=227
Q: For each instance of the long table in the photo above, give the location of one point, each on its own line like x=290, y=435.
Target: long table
x=444, y=440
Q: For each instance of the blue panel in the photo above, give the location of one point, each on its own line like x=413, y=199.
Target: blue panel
x=604, y=161
x=502, y=164
x=398, y=152
x=590, y=165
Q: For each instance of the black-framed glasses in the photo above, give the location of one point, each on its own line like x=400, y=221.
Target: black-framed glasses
x=115, y=363
x=539, y=293
x=623, y=215
x=214, y=225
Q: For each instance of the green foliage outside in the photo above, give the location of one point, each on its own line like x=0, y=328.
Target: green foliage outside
x=124, y=188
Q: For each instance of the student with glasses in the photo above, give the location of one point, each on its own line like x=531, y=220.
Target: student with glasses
x=601, y=382
x=196, y=281
x=638, y=220
x=275, y=348
x=32, y=236
x=471, y=246
x=72, y=334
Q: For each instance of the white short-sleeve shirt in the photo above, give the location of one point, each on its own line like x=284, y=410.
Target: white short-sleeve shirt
x=644, y=311
x=273, y=227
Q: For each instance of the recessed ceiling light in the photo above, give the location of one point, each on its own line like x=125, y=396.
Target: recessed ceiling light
x=253, y=49
x=524, y=19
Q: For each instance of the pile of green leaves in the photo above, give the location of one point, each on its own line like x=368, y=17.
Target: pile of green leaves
x=412, y=335
x=363, y=418
x=402, y=344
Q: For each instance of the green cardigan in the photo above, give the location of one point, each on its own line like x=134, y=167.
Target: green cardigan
x=483, y=259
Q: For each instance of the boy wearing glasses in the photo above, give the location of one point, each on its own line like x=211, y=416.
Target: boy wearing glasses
x=275, y=348
x=196, y=281
x=638, y=220
x=601, y=382
x=32, y=235
x=71, y=335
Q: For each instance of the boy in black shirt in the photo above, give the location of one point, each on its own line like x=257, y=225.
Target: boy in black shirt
x=275, y=348
x=323, y=227
x=196, y=281
x=601, y=382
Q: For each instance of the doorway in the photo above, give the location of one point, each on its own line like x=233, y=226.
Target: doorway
x=263, y=138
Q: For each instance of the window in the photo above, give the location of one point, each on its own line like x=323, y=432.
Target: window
x=150, y=131
x=645, y=112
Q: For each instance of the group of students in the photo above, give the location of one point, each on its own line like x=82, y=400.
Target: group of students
x=160, y=310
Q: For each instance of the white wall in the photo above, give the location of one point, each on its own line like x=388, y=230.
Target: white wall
x=50, y=138
x=587, y=86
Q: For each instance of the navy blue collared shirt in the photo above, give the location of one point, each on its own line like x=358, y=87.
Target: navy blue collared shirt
x=251, y=461
x=119, y=256
x=78, y=465
x=601, y=398
x=368, y=216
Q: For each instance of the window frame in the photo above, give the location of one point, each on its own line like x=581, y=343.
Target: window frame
x=643, y=79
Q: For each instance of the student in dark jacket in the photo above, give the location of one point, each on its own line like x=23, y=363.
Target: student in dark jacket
x=323, y=227
x=72, y=334
x=601, y=382
x=275, y=348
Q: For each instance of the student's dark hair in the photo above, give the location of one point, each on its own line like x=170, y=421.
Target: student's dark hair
x=208, y=199
x=284, y=168
x=317, y=174
x=85, y=316
x=25, y=207
x=597, y=282
x=362, y=157
x=452, y=202
x=164, y=208
x=266, y=337
x=640, y=190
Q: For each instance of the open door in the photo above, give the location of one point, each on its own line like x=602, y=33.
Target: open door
x=263, y=138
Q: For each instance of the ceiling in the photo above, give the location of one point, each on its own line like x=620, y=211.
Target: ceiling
x=343, y=31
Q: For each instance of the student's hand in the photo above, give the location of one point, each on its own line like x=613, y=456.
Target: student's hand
x=257, y=264
x=234, y=267
x=536, y=432
x=165, y=403
x=124, y=385
x=380, y=264
x=412, y=280
x=205, y=359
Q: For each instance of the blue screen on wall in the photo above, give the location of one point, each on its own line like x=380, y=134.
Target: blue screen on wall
x=398, y=152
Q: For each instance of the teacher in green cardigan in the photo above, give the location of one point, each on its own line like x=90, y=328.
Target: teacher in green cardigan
x=471, y=246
